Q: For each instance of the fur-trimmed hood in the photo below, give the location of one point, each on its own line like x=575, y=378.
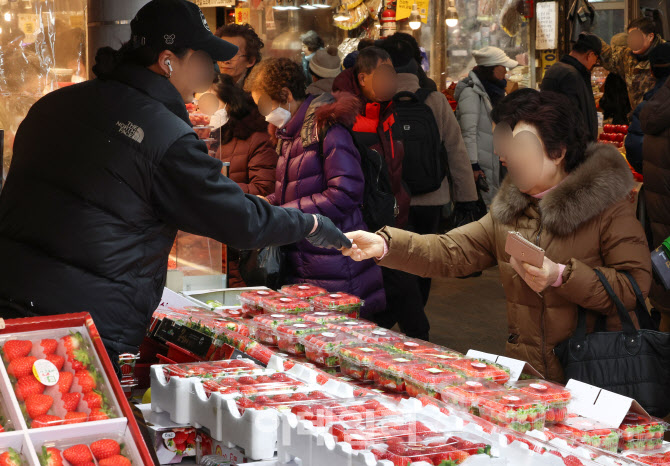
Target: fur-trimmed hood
x=328, y=110
x=600, y=181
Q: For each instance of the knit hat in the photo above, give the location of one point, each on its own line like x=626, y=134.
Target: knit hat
x=326, y=63
x=493, y=56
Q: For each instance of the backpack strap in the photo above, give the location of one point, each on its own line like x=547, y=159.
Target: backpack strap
x=422, y=94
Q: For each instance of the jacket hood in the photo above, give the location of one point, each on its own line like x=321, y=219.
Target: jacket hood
x=244, y=128
x=321, y=86
x=327, y=110
x=346, y=81
x=472, y=81
x=599, y=182
x=408, y=82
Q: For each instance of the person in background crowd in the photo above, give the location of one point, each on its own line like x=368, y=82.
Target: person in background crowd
x=425, y=212
x=424, y=81
x=99, y=236
x=659, y=58
x=317, y=173
x=249, y=47
x=572, y=77
x=477, y=95
x=632, y=61
x=350, y=60
x=575, y=196
x=311, y=42
x=655, y=123
x=324, y=67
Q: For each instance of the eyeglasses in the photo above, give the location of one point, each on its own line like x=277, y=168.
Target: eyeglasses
x=235, y=58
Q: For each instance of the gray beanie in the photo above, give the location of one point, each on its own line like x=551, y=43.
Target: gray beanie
x=326, y=63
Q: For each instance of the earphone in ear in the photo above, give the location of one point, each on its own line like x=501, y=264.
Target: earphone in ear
x=169, y=65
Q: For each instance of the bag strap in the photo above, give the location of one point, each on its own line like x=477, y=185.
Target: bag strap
x=422, y=94
x=643, y=317
x=626, y=321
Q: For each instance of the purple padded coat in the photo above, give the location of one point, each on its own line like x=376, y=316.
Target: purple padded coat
x=332, y=185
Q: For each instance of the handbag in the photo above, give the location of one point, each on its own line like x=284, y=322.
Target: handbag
x=263, y=267
x=634, y=363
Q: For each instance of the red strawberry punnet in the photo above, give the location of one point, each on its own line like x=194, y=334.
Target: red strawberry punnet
x=267, y=323
x=480, y=369
x=252, y=300
x=211, y=369
x=641, y=433
x=323, y=317
x=356, y=360
x=414, y=346
x=426, y=379
x=289, y=335
x=441, y=356
x=323, y=347
x=303, y=291
x=351, y=325
x=379, y=336
x=661, y=458
x=250, y=385
x=588, y=432
x=13, y=349
x=465, y=393
x=512, y=409
x=339, y=302
x=555, y=396
x=388, y=370
x=285, y=305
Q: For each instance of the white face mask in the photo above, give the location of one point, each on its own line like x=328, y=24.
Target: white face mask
x=279, y=116
x=219, y=118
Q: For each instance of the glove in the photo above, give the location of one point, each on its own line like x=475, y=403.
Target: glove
x=327, y=235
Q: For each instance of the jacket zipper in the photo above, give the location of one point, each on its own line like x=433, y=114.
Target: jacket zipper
x=542, y=312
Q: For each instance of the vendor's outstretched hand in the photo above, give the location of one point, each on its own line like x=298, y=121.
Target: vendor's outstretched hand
x=364, y=246
x=327, y=235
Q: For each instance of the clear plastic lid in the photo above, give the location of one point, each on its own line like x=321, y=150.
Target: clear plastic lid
x=211, y=369
x=299, y=328
x=271, y=321
x=285, y=305
x=556, y=396
x=480, y=369
x=323, y=317
x=378, y=336
x=340, y=302
x=427, y=379
x=464, y=393
x=254, y=298
x=281, y=401
x=231, y=313
x=589, y=432
x=199, y=119
x=323, y=347
x=326, y=412
x=352, y=325
x=657, y=456
x=414, y=346
x=252, y=384
x=388, y=370
x=289, y=337
x=356, y=360
x=441, y=356
x=303, y=290
x=513, y=409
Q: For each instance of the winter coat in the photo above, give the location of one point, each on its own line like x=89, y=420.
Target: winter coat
x=474, y=116
x=321, y=86
x=655, y=122
x=586, y=221
x=570, y=78
x=457, y=157
x=246, y=145
x=87, y=221
x=635, y=136
x=330, y=184
x=635, y=70
x=376, y=129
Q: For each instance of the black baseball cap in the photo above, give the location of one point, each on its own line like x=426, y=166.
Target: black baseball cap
x=174, y=24
x=590, y=42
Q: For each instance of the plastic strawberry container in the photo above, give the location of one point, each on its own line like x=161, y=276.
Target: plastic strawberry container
x=464, y=394
x=285, y=305
x=249, y=385
x=303, y=291
x=267, y=323
x=513, y=409
x=211, y=369
x=339, y=302
x=660, y=456
x=642, y=433
x=441, y=356
x=289, y=336
x=356, y=360
x=554, y=395
x=414, y=346
x=447, y=449
x=351, y=325
x=252, y=300
x=324, y=347
x=323, y=317
x=427, y=379
x=588, y=432
x=237, y=314
x=379, y=336
x=281, y=401
x=388, y=371
x=479, y=369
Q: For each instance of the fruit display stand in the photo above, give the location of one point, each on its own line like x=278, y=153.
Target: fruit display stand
x=45, y=406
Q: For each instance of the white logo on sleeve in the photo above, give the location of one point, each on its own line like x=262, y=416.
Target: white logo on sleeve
x=131, y=130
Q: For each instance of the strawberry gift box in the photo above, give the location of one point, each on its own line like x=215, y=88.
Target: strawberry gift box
x=513, y=409
x=555, y=396
x=285, y=305
x=464, y=393
x=252, y=300
x=303, y=291
x=267, y=323
x=388, y=370
x=356, y=360
x=289, y=336
x=588, y=432
x=339, y=302
x=57, y=383
x=323, y=347
x=641, y=433
x=427, y=379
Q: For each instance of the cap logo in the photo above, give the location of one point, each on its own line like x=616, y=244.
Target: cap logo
x=204, y=21
x=169, y=38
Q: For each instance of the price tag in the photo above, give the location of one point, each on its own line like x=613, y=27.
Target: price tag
x=367, y=350
x=433, y=370
x=46, y=372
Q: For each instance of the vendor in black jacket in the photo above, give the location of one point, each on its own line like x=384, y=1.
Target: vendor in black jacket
x=105, y=172
x=572, y=77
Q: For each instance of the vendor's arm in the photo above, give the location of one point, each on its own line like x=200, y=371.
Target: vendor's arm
x=612, y=58
x=190, y=193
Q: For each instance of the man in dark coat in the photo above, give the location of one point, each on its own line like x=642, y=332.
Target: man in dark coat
x=572, y=77
x=105, y=172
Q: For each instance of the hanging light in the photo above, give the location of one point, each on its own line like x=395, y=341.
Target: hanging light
x=452, y=15
x=415, y=18
x=342, y=14
x=279, y=6
x=8, y=16
x=308, y=6
x=290, y=5
x=321, y=4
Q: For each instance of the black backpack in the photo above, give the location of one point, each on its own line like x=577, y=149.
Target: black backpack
x=379, y=207
x=424, y=165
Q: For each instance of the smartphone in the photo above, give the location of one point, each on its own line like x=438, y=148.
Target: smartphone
x=523, y=250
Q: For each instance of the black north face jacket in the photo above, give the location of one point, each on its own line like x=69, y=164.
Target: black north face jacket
x=104, y=174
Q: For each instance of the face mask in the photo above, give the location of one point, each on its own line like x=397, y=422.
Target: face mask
x=219, y=118
x=279, y=116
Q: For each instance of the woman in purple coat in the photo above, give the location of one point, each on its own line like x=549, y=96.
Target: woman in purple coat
x=318, y=177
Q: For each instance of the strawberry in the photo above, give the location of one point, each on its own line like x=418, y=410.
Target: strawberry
x=65, y=380
x=105, y=448
x=15, y=349
x=51, y=457
x=78, y=454
x=87, y=380
x=21, y=366
x=572, y=461
x=28, y=385
x=38, y=405
x=56, y=360
x=49, y=346
x=10, y=458
x=71, y=401
x=76, y=354
x=46, y=420
x=117, y=460
x=99, y=415
x=75, y=418
x=94, y=400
